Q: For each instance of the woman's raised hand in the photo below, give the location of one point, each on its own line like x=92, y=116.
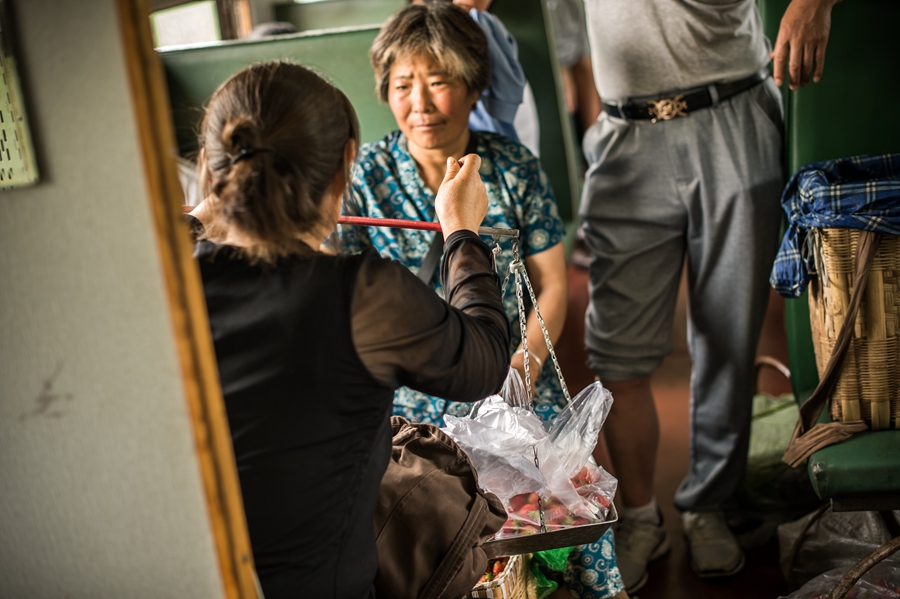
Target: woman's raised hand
x=462, y=200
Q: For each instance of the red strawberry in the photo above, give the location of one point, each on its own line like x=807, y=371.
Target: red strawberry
x=516, y=502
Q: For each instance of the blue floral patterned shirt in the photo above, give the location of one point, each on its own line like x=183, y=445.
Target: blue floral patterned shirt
x=386, y=184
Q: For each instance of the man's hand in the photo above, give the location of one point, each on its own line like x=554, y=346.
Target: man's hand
x=802, y=36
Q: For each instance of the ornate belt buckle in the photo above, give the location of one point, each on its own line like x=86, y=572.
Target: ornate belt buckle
x=667, y=108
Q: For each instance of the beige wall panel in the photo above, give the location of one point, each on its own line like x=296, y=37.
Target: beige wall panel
x=100, y=489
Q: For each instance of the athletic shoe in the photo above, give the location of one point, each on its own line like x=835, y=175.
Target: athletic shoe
x=714, y=550
x=638, y=542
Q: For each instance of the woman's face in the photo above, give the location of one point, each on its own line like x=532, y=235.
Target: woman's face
x=431, y=108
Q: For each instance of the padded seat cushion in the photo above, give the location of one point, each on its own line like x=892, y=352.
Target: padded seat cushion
x=865, y=464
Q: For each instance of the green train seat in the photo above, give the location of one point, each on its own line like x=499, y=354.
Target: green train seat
x=194, y=73
x=850, y=112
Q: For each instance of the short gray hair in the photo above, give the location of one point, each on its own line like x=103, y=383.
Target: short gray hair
x=441, y=30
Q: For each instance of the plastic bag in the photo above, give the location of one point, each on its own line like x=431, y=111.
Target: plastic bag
x=513, y=391
x=545, y=562
x=574, y=431
x=835, y=540
x=499, y=440
x=881, y=582
x=503, y=440
x=596, y=486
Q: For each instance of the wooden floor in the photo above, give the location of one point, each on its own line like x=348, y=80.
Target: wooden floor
x=671, y=577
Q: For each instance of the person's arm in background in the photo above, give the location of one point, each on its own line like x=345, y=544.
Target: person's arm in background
x=573, y=52
x=503, y=96
x=802, y=36
x=588, y=100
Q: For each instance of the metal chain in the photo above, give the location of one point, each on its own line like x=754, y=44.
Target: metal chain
x=517, y=268
x=495, y=253
x=546, y=333
x=540, y=501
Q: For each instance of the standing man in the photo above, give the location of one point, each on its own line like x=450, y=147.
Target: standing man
x=686, y=161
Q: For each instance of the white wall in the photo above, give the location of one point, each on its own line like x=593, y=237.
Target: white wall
x=100, y=491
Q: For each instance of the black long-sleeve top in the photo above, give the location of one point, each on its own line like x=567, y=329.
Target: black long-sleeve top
x=310, y=351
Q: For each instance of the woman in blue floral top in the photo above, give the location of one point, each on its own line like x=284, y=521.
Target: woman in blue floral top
x=396, y=177
x=430, y=64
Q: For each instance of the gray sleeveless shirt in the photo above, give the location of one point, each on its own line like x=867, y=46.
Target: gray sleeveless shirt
x=645, y=47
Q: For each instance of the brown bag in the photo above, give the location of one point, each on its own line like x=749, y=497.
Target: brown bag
x=431, y=517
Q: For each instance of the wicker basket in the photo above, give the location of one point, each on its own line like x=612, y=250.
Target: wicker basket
x=869, y=384
x=513, y=583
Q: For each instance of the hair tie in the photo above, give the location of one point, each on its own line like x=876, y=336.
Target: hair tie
x=248, y=152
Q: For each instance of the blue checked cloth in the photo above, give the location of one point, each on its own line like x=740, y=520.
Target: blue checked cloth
x=862, y=192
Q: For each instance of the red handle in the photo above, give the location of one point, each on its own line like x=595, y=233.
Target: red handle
x=399, y=223
x=389, y=222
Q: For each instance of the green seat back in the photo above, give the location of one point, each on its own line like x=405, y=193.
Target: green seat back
x=194, y=73
x=802, y=360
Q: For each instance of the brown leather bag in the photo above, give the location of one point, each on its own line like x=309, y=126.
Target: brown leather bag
x=431, y=517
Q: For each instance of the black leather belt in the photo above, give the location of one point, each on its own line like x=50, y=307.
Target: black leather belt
x=669, y=106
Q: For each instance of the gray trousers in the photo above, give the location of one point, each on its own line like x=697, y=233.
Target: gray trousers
x=706, y=186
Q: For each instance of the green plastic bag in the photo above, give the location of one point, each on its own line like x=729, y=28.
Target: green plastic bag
x=552, y=560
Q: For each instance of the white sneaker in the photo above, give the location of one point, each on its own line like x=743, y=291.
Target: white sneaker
x=714, y=550
x=638, y=542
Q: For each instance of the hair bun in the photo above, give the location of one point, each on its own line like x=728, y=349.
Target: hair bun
x=287, y=111
x=239, y=134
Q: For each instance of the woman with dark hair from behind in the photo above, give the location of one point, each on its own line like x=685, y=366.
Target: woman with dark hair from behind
x=310, y=347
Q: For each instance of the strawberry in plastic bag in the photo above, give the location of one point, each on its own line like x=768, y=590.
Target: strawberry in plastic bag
x=593, y=484
x=597, y=487
x=504, y=439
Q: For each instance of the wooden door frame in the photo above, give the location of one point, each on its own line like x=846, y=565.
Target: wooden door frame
x=234, y=18
x=187, y=306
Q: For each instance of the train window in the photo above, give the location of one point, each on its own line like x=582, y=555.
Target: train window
x=190, y=23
